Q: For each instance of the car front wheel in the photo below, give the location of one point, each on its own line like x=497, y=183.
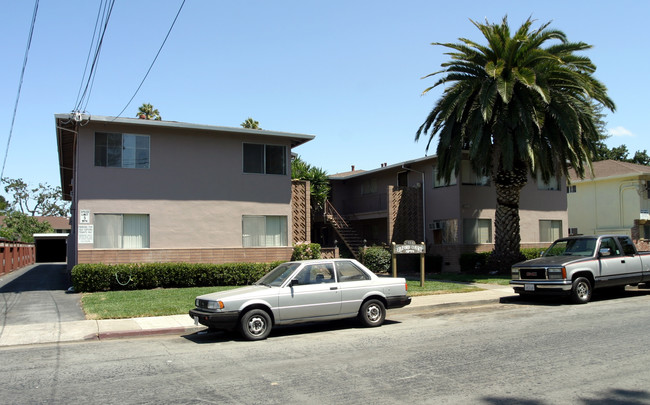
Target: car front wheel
x=581, y=291
x=372, y=313
x=255, y=325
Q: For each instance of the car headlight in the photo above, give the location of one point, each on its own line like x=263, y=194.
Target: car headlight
x=215, y=305
x=558, y=273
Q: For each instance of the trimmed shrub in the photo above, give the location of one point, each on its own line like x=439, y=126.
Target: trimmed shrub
x=305, y=251
x=376, y=258
x=433, y=263
x=143, y=276
x=532, y=253
x=473, y=262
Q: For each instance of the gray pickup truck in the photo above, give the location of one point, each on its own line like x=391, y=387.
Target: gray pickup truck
x=576, y=265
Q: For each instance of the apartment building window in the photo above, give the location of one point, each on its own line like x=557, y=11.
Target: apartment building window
x=121, y=231
x=369, y=186
x=261, y=231
x=121, y=150
x=551, y=184
x=476, y=231
x=441, y=182
x=265, y=159
x=470, y=177
x=571, y=189
x=549, y=230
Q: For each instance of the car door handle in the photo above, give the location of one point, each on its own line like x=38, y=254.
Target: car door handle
x=622, y=261
x=334, y=288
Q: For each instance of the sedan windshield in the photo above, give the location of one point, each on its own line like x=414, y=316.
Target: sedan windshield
x=572, y=247
x=276, y=277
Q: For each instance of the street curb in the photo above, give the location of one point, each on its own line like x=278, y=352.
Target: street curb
x=454, y=305
x=149, y=332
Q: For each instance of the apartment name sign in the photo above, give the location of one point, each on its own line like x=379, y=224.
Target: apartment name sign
x=409, y=247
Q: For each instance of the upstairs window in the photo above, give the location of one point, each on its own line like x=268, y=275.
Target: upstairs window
x=265, y=159
x=121, y=150
x=551, y=184
x=470, y=177
x=441, y=182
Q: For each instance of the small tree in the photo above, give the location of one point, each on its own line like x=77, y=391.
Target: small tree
x=43, y=200
x=18, y=226
x=319, y=183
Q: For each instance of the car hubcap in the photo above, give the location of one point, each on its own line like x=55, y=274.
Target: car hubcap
x=373, y=313
x=582, y=289
x=256, y=325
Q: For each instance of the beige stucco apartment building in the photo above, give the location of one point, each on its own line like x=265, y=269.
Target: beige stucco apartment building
x=615, y=198
x=385, y=205
x=157, y=191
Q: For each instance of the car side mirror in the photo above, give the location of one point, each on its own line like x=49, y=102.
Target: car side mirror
x=294, y=282
x=605, y=252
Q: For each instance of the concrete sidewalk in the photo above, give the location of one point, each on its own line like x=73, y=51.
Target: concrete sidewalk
x=14, y=335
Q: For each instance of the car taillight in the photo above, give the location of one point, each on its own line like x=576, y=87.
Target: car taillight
x=406, y=286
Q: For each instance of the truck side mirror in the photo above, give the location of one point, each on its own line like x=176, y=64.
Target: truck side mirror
x=605, y=251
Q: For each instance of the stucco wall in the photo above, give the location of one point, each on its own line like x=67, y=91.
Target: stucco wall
x=195, y=191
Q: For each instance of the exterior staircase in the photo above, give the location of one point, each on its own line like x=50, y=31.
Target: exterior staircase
x=348, y=235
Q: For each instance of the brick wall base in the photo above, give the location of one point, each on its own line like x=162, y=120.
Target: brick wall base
x=207, y=255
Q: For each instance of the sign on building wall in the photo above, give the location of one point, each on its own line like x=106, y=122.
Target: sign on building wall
x=85, y=234
x=84, y=216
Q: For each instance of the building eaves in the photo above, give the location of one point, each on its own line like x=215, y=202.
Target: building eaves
x=359, y=173
x=296, y=139
x=608, y=169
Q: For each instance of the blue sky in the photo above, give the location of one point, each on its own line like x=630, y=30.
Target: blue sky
x=348, y=72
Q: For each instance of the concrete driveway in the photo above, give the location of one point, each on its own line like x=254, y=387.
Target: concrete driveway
x=38, y=294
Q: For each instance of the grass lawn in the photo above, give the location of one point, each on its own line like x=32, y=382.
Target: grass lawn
x=174, y=301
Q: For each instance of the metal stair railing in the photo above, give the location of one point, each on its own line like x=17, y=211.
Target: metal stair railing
x=347, y=234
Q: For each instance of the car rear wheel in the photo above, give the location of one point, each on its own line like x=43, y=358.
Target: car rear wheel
x=581, y=291
x=372, y=313
x=255, y=325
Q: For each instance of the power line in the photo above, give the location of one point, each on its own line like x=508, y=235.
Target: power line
x=20, y=85
x=154, y=59
x=85, y=96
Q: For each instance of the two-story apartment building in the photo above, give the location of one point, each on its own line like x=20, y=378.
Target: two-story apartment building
x=160, y=191
x=407, y=201
x=615, y=198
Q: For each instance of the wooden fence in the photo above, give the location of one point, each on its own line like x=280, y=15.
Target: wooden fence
x=15, y=255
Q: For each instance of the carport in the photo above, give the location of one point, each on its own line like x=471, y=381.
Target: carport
x=51, y=247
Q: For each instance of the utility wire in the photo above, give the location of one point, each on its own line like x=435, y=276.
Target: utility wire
x=108, y=9
x=154, y=60
x=20, y=85
x=90, y=50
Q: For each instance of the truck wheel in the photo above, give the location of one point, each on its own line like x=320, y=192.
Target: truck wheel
x=581, y=291
x=372, y=313
x=255, y=325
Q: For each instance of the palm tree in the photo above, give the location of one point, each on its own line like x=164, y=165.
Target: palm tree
x=147, y=112
x=250, y=124
x=517, y=107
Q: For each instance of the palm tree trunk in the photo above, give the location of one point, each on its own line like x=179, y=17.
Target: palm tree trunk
x=507, y=236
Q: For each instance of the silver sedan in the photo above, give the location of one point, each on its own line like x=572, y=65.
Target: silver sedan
x=303, y=291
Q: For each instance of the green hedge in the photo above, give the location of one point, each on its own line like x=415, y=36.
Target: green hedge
x=142, y=276
x=475, y=262
x=376, y=258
